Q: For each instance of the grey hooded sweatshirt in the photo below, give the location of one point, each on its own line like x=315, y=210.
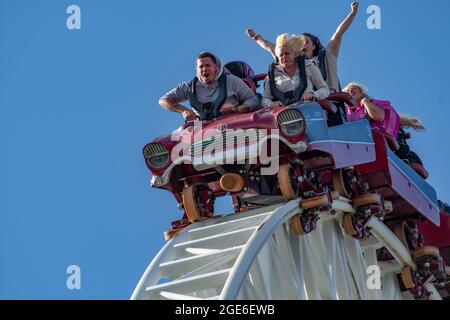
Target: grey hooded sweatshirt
x=237, y=91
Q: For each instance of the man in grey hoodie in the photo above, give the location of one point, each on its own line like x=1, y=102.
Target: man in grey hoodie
x=212, y=93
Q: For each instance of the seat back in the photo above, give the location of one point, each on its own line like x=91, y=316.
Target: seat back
x=392, y=143
x=250, y=83
x=240, y=69
x=420, y=170
x=328, y=106
x=342, y=97
x=339, y=99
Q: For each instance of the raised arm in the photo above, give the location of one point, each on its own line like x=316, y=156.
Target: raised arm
x=265, y=44
x=336, y=39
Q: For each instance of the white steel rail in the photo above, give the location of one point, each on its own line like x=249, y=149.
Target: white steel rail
x=254, y=255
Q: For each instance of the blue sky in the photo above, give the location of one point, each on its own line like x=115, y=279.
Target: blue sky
x=77, y=106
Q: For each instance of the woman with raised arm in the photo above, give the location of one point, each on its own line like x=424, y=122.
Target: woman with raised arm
x=325, y=58
x=294, y=78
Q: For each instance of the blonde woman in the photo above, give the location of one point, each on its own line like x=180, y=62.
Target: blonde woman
x=293, y=79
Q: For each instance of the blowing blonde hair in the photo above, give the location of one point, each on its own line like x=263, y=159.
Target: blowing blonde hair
x=361, y=87
x=294, y=42
x=411, y=122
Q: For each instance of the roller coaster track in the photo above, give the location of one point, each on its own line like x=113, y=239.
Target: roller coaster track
x=254, y=255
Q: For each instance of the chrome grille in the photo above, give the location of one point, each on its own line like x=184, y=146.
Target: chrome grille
x=289, y=116
x=154, y=149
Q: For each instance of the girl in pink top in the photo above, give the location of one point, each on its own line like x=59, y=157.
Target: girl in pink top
x=380, y=112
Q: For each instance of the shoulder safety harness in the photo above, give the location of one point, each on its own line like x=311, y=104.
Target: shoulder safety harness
x=289, y=97
x=209, y=110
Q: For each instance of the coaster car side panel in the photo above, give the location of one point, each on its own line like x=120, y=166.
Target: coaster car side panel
x=437, y=236
x=349, y=144
x=399, y=183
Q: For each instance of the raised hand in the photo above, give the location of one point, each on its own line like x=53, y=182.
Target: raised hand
x=250, y=33
x=355, y=6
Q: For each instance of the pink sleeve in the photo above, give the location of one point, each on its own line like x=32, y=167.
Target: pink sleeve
x=391, y=120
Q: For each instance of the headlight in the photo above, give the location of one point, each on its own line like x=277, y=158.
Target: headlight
x=156, y=155
x=291, y=122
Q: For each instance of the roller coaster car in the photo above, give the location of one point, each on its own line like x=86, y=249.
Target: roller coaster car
x=231, y=156
x=280, y=153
